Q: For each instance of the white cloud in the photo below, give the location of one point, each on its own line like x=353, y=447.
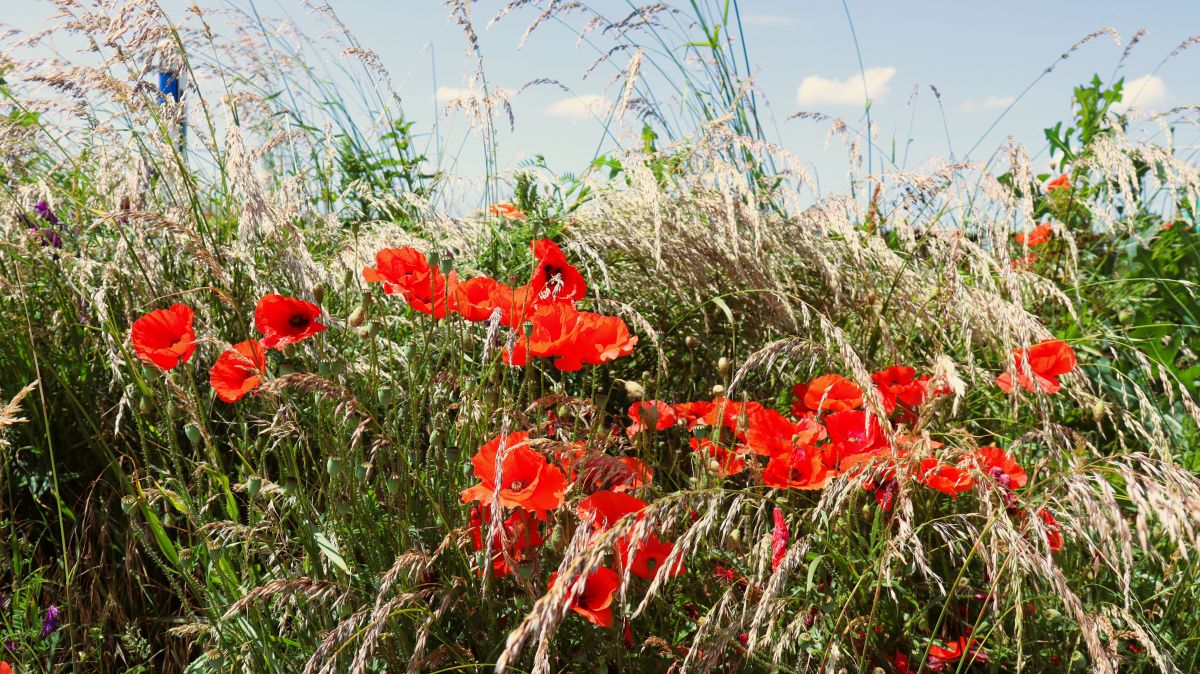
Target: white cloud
x=1146, y=91
x=451, y=94
x=817, y=90
x=770, y=20
x=576, y=107
x=985, y=104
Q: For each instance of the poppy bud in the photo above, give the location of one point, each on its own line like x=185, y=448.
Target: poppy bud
x=718, y=390
x=714, y=466
x=365, y=331
x=435, y=440
x=146, y=405
x=362, y=471
x=1098, y=411
x=192, y=431
x=724, y=366
x=736, y=535
x=634, y=390
x=319, y=292
x=358, y=316
x=384, y=396
x=691, y=342
x=393, y=484
x=253, y=486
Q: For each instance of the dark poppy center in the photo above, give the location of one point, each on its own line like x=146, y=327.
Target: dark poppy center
x=298, y=321
x=550, y=271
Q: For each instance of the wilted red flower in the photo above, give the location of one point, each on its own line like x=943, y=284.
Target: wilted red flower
x=520, y=533
x=165, y=337
x=238, y=371
x=855, y=436
x=553, y=277
x=769, y=433
x=725, y=573
x=900, y=387
x=1039, y=367
x=285, y=320
x=407, y=272
x=506, y=211
x=728, y=462
x=527, y=480
x=604, y=508
x=654, y=414
x=1060, y=183
x=1000, y=465
x=940, y=657
x=1054, y=537
x=827, y=393
x=1036, y=237
x=475, y=299
x=944, y=477
x=595, y=601
x=799, y=468
x=648, y=556
x=779, y=539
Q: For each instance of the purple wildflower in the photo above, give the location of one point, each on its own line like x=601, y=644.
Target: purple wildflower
x=43, y=209
x=51, y=622
x=10, y=645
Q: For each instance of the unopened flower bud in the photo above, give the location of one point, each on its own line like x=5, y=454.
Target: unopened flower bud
x=358, y=316
x=692, y=342
x=319, y=293
x=718, y=390
x=634, y=390
x=724, y=366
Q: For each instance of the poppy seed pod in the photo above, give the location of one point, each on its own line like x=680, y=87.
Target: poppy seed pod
x=718, y=390
x=319, y=292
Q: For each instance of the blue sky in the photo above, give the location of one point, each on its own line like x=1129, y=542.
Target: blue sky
x=978, y=54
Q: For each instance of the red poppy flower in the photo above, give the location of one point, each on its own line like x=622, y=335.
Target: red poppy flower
x=799, y=468
x=406, y=272
x=597, y=340
x=475, y=299
x=900, y=387
x=526, y=479
x=769, y=433
x=940, y=657
x=827, y=393
x=1039, y=235
x=900, y=663
x=648, y=557
x=520, y=533
x=604, y=508
x=693, y=413
x=554, y=327
x=285, y=320
x=779, y=539
x=944, y=477
x=1060, y=183
x=553, y=277
x=1039, y=367
x=1000, y=465
x=725, y=573
x=1054, y=537
x=5, y=668
x=650, y=414
x=506, y=211
x=855, y=436
x=619, y=474
x=732, y=414
x=238, y=371
x=595, y=601
x=165, y=337
x=727, y=462
x=516, y=305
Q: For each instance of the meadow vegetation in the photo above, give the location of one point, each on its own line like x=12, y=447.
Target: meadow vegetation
x=279, y=403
